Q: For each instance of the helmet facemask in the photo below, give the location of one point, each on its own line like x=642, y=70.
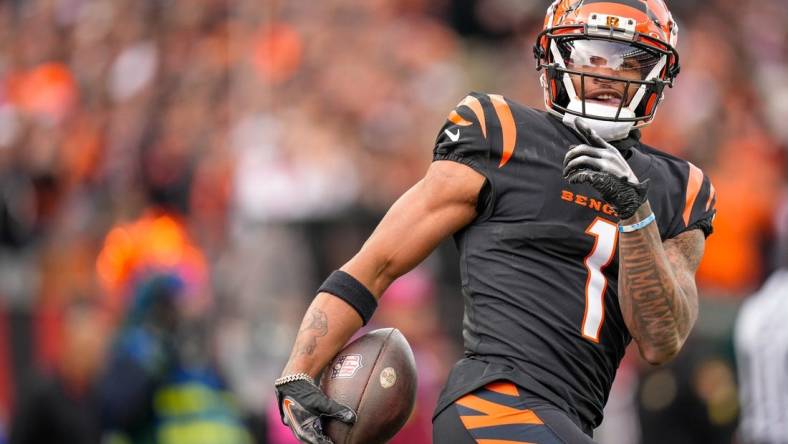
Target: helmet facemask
x=612, y=77
x=605, y=83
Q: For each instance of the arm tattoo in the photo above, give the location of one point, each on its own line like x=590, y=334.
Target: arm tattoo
x=657, y=290
x=686, y=248
x=315, y=326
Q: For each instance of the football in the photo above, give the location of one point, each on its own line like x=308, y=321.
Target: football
x=376, y=376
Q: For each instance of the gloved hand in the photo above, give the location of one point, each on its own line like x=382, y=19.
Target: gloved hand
x=602, y=166
x=301, y=406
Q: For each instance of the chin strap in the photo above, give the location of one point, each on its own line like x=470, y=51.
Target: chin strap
x=609, y=131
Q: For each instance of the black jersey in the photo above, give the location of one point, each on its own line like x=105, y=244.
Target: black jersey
x=539, y=264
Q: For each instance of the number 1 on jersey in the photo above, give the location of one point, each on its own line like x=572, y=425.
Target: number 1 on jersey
x=605, y=238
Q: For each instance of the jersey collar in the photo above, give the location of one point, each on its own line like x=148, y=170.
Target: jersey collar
x=639, y=161
x=632, y=140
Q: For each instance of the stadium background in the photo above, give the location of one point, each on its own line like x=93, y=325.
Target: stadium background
x=248, y=148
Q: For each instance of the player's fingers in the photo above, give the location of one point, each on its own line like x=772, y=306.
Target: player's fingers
x=304, y=437
x=341, y=412
x=312, y=436
x=587, y=162
x=582, y=150
x=322, y=439
x=591, y=135
x=584, y=129
x=311, y=432
x=319, y=438
x=581, y=176
x=304, y=422
x=325, y=406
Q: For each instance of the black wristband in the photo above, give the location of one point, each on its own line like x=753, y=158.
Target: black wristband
x=347, y=288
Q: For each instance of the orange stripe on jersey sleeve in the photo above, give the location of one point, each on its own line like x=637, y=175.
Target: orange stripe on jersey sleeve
x=507, y=127
x=503, y=387
x=693, y=187
x=712, y=194
x=475, y=106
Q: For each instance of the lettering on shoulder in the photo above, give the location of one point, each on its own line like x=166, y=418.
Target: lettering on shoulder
x=588, y=202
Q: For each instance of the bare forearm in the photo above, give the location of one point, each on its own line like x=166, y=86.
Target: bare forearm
x=437, y=206
x=328, y=324
x=658, y=309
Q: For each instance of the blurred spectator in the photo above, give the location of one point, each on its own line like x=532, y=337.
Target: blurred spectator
x=692, y=399
x=157, y=242
x=62, y=404
x=762, y=351
x=160, y=385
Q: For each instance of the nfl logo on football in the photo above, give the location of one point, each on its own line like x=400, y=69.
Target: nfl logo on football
x=346, y=366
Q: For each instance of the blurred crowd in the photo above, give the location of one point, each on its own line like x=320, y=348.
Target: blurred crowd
x=177, y=177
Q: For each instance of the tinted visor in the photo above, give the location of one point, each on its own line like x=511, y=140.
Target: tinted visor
x=607, y=58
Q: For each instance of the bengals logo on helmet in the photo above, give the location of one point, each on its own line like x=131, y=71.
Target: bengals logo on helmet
x=659, y=23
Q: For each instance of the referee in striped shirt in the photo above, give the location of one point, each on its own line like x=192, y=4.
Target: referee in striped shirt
x=761, y=340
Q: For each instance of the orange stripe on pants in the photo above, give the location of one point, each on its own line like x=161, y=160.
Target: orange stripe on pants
x=494, y=414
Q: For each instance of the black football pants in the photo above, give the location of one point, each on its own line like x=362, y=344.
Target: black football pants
x=502, y=412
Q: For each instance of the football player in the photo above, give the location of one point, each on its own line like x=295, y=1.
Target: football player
x=574, y=239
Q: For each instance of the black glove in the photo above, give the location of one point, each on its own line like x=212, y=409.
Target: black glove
x=302, y=405
x=603, y=167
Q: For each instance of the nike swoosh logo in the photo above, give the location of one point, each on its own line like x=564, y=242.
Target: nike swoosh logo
x=454, y=137
x=286, y=404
